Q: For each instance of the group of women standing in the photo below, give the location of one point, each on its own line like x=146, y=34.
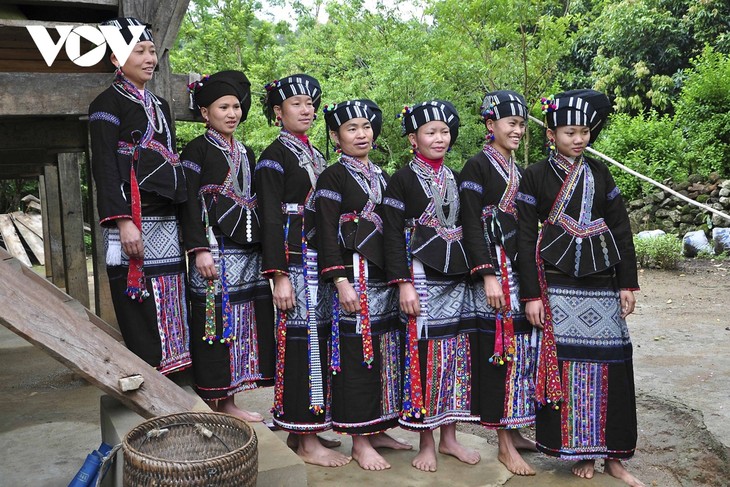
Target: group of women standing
x=495, y=296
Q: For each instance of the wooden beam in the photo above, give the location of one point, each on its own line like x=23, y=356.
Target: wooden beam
x=47, y=134
x=72, y=215
x=55, y=231
x=38, y=94
x=39, y=316
x=44, y=219
x=70, y=3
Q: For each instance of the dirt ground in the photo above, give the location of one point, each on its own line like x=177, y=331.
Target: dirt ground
x=681, y=337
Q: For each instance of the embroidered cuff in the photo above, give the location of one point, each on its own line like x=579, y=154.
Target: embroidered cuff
x=525, y=300
x=482, y=267
x=190, y=251
x=630, y=289
x=333, y=268
x=270, y=273
x=396, y=281
x=111, y=218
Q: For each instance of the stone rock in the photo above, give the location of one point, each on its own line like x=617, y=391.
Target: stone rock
x=725, y=184
x=699, y=219
x=650, y=234
x=715, y=193
x=682, y=186
x=694, y=243
x=718, y=221
x=713, y=177
x=686, y=218
x=658, y=197
x=666, y=202
x=683, y=192
x=695, y=178
x=698, y=187
x=725, y=201
x=724, y=192
x=636, y=204
x=702, y=198
x=721, y=240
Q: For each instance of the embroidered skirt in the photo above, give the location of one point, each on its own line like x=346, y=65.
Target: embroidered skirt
x=503, y=395
x=301, y=395
x=437, y=391
x=156, y=329
x=220, y=369
x=597, y=418
x=365, y=399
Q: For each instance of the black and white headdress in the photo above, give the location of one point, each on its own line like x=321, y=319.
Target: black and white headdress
x=587, y=108
x=124, y=23
x=430, y=111
x=338, y=114
x=503, y=103
x=297, y=84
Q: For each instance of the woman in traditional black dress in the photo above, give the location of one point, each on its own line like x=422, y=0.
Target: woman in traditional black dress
x=503, y=356
x=573, y=221
x=232, y=314
x=286, y=175
x=425, y=258
x=140, y=184
x=363, y=309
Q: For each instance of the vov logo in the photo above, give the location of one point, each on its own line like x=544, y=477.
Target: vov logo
x=71, y=36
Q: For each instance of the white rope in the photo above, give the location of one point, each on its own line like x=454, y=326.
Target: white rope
x=647, y=179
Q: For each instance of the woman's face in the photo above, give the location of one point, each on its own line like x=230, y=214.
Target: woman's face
x=355, y=138
x=297, y=113
x=432, y=140
x=508, y=133
x=223, y=115
x=140, y=65
x=570, y=140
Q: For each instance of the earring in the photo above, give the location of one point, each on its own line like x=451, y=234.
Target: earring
x=314, y=117
x=490, y=136
x=278, y=121
x=374, y=146
x=338, y=149
x=413, y=148
x=551, y=144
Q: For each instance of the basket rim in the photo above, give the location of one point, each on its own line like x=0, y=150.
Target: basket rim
x=127, y=448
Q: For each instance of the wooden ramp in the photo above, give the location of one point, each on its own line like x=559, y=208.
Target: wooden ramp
x=50, y=319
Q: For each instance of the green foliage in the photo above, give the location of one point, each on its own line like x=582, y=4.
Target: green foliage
x=650, y=144
x=703, y=112
x=662, y=252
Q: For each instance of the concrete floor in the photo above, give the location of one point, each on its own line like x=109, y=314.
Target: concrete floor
x=49, y=422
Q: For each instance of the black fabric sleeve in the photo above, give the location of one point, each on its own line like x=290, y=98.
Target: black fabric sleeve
x=104, y=120
x=396, y=258
x=269, y=177
x=527, y=235
x=191, y=215
x=617, y=219
x=480, y=257
x=330, y=186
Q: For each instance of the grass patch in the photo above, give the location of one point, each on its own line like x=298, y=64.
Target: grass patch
x=661, y=252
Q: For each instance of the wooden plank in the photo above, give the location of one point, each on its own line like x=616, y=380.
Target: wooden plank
x=55, y=231
x=32, y=221
x=11, y=240
x=44, y=219
x=31, y=238
x=72, y=216
x=103, y=305
x=45, y=321
x=38, y=94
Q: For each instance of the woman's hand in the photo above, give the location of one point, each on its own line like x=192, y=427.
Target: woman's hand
x=493, y=290
x=131, y=238
x=535, y=313
x=628, y=302
x=284, y=298
x=349, y=300
x=205, y=265
x=409, y=302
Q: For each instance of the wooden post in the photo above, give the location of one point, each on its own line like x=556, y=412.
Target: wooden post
x=77, y=277
x=44, y=218
x=103, y=306
x=55, y=233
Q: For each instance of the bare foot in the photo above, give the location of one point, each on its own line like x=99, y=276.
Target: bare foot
x=584, y=469
x=615, y=468
x=426, y=458
x=449, y=446
x=383, y=440
x=520, y=442
x=228, y=406
x=509, y=456
x=313, y=452
x=292, y=441
x=366, y=456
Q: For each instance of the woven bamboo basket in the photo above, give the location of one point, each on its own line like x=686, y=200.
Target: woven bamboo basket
x=191, y=449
